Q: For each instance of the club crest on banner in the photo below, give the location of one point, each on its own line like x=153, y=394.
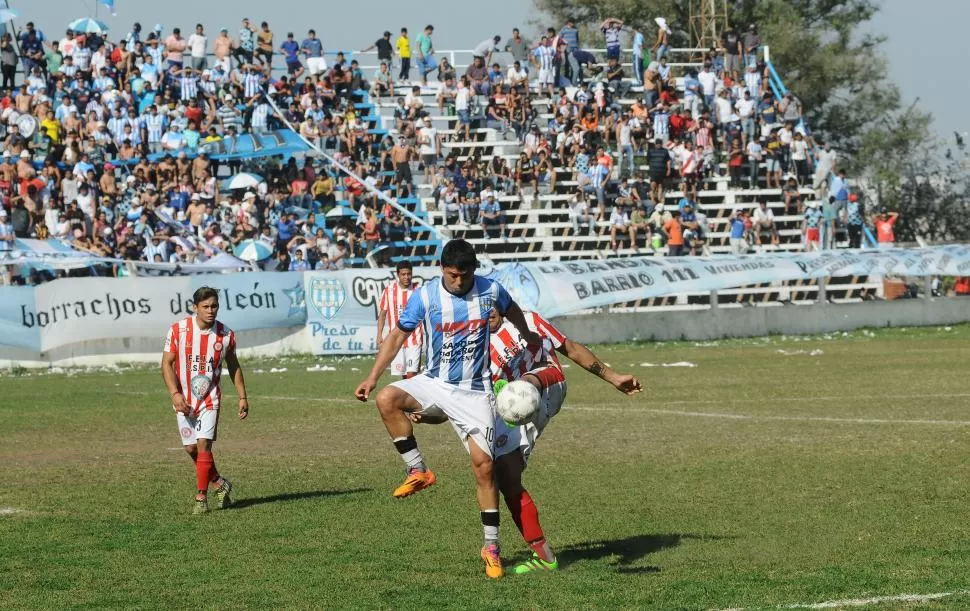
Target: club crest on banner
x=327, y=296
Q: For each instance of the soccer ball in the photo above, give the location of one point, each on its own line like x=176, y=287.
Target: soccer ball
x=518, y=402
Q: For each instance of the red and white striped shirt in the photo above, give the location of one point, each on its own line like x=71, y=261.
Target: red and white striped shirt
x=198, y=360
x=511, y=359
x=393, y=300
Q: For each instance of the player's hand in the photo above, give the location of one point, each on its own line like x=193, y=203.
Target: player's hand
x=380, y=340
x=414, y=417
x=243, y=409
x=627, y=384
x=179, y=404
x=364, y=389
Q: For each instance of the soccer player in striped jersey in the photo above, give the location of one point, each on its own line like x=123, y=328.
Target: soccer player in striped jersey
x=456, y=384
x=512, y=358
x=407, y=362
x=195, y=349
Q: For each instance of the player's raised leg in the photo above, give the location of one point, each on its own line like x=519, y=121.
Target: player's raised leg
x=508, y=471
x=393, y=403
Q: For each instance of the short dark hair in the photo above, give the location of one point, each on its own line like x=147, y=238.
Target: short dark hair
x=460, y=254
x=403, y=265
x=203, y=293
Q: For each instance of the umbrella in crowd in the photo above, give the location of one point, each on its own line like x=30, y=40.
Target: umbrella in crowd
x=301, y=213
x=86, y=25
x=253, y=250
x=244, y=180
x=340, y=211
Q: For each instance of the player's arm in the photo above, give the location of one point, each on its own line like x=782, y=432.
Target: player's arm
x=236, y=375
x=171, y=382
x=514, y=315
x=381, y=319
x=584, y=357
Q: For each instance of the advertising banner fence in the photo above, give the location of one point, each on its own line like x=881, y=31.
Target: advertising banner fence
x=339, y=309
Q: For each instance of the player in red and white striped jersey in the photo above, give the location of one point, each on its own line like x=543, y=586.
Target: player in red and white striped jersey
x=513, y=359
x=195, y=349
x=407, y=362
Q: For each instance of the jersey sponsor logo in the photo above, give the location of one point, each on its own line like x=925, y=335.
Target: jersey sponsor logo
x=461, y=326
x=218, y=346
x=501, y=441
x=200, y=385
x=327, y=296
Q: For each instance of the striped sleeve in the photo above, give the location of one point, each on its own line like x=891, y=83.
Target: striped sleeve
x=171, y=339
x=547, y=330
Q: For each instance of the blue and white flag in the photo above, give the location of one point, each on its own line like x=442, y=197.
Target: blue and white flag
x=111, y=6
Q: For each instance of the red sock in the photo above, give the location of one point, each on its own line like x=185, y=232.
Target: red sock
x=204, y=465
x=529, y=514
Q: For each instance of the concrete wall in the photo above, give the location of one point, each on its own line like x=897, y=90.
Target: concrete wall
x=705, y=324
x=708, y=324
x=258, y=342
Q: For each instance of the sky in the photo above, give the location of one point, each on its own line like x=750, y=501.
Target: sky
x=927, y=39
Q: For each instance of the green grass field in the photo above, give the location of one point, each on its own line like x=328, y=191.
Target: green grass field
x=775, y=472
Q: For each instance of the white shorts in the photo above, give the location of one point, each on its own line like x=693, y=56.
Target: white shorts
x=202, y=427
x=471, y=412
x=316, y=65
x=546, y=77
x=408, y=360
x=509, y=439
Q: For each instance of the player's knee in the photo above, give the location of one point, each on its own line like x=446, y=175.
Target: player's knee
x=386, y=399
x=192, y=450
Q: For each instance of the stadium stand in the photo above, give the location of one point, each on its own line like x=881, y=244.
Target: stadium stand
x=128, y=156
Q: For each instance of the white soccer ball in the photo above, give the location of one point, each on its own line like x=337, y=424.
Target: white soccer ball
x=518, y=402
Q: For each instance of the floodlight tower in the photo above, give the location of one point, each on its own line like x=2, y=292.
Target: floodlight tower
x=708, y=18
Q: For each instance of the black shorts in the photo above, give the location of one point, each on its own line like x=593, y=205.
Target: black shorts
x=293, y=67
x=403, y=172
x=658, y=177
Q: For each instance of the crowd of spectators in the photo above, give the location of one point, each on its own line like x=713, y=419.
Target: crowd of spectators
x=101, y=106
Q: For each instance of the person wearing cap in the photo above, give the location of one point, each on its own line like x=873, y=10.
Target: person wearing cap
x=385, y=51
x=811, y=227
x=485, y=48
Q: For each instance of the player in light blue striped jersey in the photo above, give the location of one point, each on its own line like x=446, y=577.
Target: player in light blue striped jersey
x=454, y=311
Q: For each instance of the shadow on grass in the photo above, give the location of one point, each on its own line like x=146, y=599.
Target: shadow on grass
x=294, y=496
x=628, y=550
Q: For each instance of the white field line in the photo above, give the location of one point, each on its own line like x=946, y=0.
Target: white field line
x=861, y=602
x=617, y=407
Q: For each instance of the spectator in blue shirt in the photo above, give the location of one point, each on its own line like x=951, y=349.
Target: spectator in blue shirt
x=291, y=54
x=286, y=229
x=312, y=49
x=738, y=229
x=492, y=216
x=298, y=263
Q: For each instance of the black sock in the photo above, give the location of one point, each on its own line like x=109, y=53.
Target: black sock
x=407, y=447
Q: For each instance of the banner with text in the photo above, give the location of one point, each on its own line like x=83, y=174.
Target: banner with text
x=339, y=309
x=557, y=288
x=74, y=310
